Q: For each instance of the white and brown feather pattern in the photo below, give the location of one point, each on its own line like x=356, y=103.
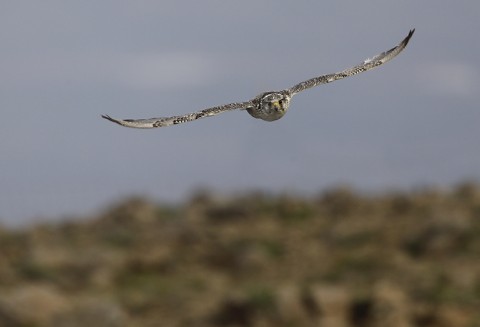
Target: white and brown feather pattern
x=175, y=120
x=363, y=67
x=268, y=106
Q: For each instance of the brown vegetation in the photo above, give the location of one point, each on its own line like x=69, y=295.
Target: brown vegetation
x=338, y=260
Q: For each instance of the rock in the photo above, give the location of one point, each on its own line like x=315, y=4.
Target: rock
x=333, y=304
x=390, y=306
x=91, y=313
x=34, y=305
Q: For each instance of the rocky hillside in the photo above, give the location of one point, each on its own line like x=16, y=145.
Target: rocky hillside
x=340, y=259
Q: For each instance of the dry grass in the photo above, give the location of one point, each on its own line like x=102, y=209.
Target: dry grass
x=340, y=259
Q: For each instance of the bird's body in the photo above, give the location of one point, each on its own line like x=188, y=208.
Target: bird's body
x=268, y=106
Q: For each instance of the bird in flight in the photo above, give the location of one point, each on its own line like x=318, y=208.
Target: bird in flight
x=268, y=106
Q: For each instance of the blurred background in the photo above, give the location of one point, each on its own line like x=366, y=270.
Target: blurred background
x=140, y=227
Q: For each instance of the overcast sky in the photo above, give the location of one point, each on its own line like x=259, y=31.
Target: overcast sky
x=412, y=122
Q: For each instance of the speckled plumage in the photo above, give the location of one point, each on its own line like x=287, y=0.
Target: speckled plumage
x=268, y=106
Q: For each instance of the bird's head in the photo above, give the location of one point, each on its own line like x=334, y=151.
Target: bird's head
x=273, y=105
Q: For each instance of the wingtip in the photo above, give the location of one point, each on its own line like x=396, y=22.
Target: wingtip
x=410, y=34
x=407, y=39
x=107, y=117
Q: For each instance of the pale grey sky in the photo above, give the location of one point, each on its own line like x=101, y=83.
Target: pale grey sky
x=412, y=122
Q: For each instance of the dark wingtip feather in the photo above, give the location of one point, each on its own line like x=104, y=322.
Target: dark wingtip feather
x=405, y=41
x=107, y=117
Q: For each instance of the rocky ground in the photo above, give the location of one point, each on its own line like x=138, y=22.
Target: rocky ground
x=339, y=259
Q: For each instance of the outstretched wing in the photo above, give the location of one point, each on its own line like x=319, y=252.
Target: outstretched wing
x=363, y=67
x=167, y=121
